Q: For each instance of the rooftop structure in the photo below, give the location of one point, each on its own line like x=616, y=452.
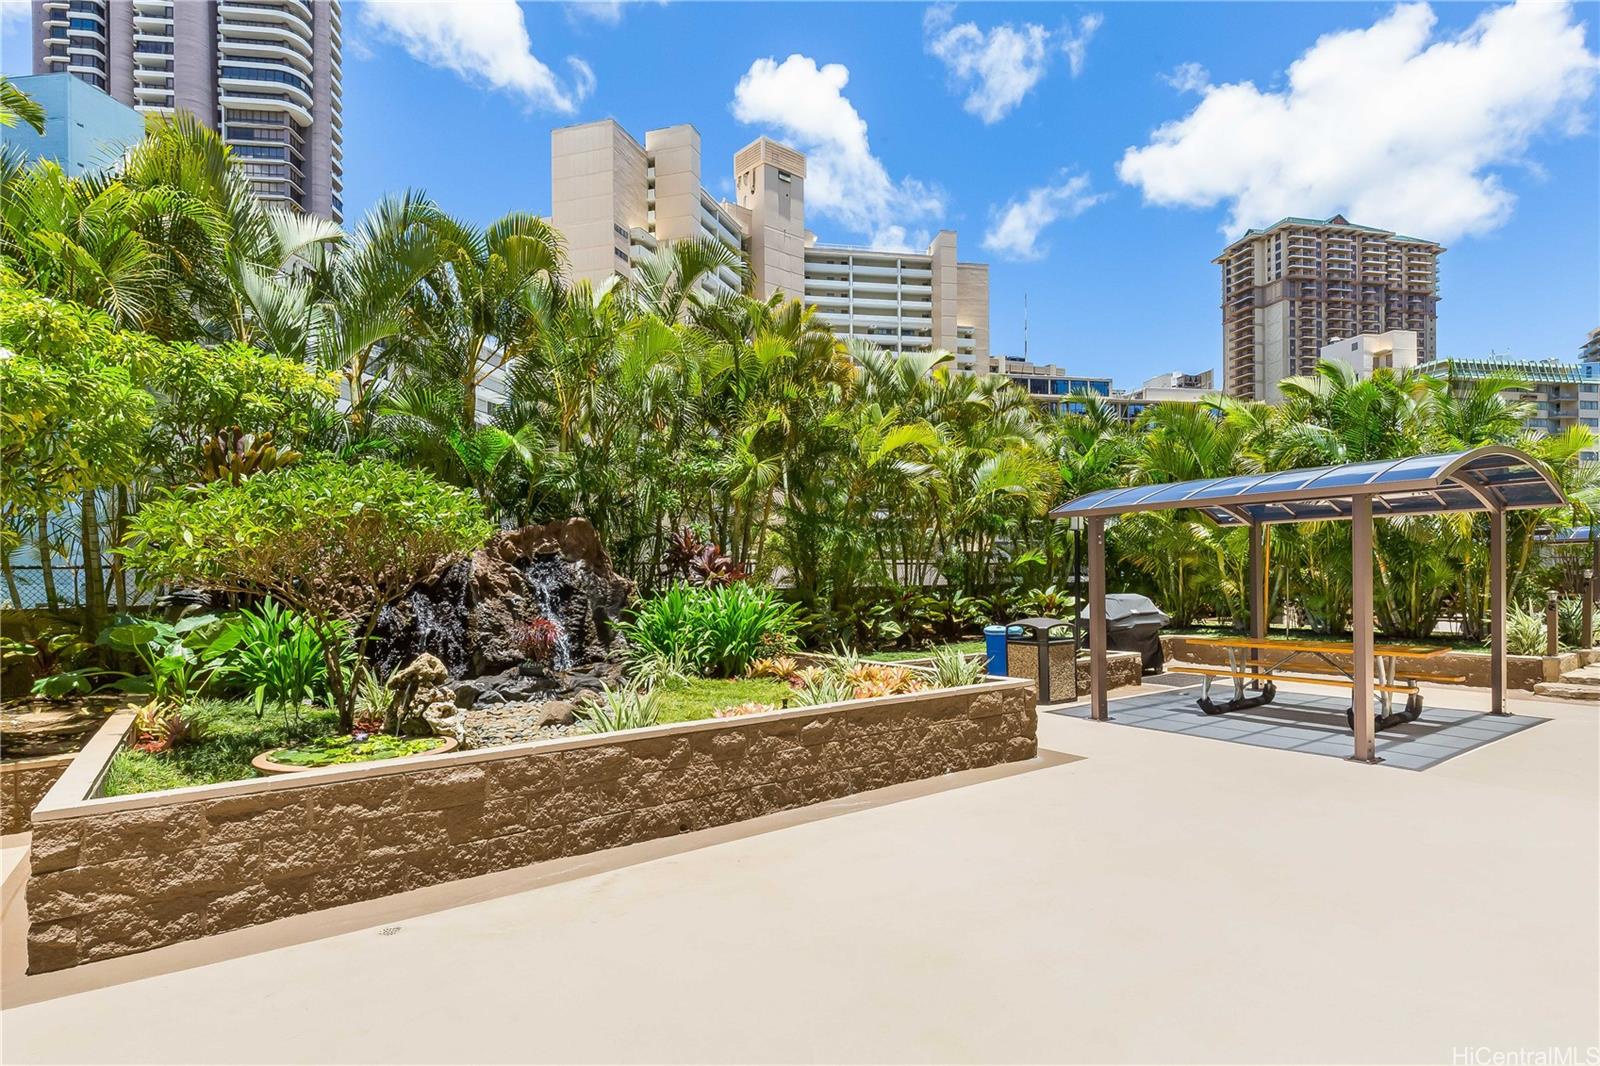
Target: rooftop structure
x=268, y=77
x=1394, y=350
x=85, y=130
x=1294, y=287
x=614, y=199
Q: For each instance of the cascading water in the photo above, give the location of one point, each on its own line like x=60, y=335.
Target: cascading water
x=470, y=610
x=546, y=582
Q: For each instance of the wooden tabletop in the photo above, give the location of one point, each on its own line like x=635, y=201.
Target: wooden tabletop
x=1333, y=647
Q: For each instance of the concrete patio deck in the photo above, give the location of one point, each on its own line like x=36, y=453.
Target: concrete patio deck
x=1133, y=895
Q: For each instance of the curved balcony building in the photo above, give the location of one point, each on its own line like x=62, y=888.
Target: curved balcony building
x=266, y=74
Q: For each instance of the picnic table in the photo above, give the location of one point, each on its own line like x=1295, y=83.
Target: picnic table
x=1257, y=662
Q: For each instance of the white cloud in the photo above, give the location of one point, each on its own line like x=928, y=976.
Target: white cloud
x=807, y=106
x=1188, y=78
x=1016, y=229
x=607, y=12
x=603, y=12
x=483, y=41
x=1388, y=125
x=1075, y=43
x=999, y=66
x=15, y=12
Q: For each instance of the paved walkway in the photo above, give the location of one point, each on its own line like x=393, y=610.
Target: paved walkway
x=1152, y=897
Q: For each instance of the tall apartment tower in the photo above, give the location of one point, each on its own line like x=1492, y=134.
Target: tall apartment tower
x=265, y=75
x=1300, y=284
x=614, y=199
x=770, y=181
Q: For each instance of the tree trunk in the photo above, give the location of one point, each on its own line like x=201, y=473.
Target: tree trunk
x=119, y=527
x=94, y=585
x=11, y=581
x=47, y=572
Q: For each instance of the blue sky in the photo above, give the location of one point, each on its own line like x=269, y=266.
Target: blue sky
x=1471, y=124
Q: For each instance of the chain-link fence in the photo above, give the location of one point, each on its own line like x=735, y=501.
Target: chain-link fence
x=29, y=587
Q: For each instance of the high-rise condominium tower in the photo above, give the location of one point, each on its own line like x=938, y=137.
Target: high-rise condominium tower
x=1302, y=283
x=614, y=199
x=266, y=74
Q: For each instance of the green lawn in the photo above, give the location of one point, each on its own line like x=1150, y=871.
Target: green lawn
x=685, y=701
x=923, y=653
x=233, y=736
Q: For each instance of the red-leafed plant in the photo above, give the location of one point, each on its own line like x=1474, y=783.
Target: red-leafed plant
x=688, y=558
x=537, y=640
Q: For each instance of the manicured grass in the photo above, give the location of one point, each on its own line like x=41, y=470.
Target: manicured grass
x=922, y=653
x=685, y=701
x=233, y=736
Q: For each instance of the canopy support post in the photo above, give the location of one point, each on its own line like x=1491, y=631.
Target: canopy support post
x=1361, y=560
x=1096, y=527
x=1497, y=611
x=1258, y=591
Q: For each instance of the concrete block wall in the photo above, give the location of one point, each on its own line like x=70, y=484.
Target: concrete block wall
x=115, y=876
x=23, y=783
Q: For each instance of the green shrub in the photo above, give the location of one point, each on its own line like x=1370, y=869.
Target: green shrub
x=822, y=685
x=717, y=631
x=335, y=541
x=180, y=660
x=279, y=658
x=953, y=668
x=1571, y=624
x=1525, y=630
x=737, y=621
x=616, y=709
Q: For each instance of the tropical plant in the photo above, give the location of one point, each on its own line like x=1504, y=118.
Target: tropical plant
x=162, y=727
x=1570, y=611
x=179, y=660
x=1525, y=630
x=818, y=686
x=736, y=623
x=279, y=658
x=715, y=630
x=953, y=668
x=614, y=709
x=17, y=106
x=537, y=640
x=334, y=541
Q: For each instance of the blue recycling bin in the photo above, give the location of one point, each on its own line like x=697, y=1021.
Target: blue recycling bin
x=994, y=646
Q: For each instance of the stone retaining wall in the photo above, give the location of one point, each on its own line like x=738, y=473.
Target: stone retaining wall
x=115, y=876
x=23, y=783
x=1522, y=671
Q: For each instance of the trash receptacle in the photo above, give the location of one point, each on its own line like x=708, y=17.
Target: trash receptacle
x=1134, y=623
x=994, y=649
x=1035, y=633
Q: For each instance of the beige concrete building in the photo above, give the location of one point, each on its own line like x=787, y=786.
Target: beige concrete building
x=1559, y=395
x=1293, y=288
x=614, y=199
x=1394, y=350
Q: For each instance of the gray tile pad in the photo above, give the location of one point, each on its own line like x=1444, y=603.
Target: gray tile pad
x=1296, y=721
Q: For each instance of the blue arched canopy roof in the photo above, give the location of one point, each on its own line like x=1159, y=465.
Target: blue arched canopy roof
x=1483, y=479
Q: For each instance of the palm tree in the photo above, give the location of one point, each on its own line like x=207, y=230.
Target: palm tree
x=471, y=309
x=17, y=106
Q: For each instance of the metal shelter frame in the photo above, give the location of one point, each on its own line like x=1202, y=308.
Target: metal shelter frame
x=1492, y=479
